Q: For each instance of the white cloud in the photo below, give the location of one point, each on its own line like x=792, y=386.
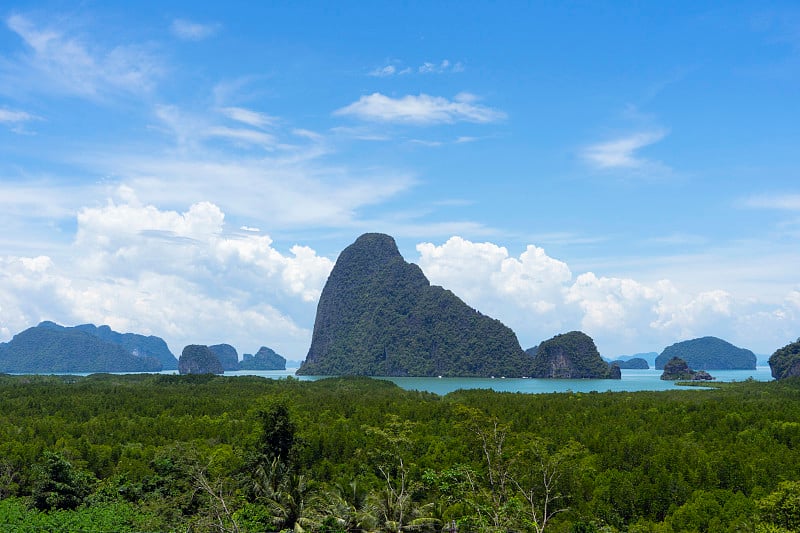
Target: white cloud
x=621, y=153
x=422, y=109
x=383, y=72
x=10, y=116
x=538, y=297
x=787, y=202
x=177, y=275
x=192, y=31
x=60, y=63
x=248, y=116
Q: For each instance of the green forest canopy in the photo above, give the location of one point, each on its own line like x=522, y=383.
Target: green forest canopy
x=352, y=454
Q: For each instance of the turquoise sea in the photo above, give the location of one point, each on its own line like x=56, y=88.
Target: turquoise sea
x=632, y=380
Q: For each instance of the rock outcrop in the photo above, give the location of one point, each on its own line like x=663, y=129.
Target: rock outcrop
x=379, y=316
x=571, y=355
x=678, y=369
x=709, y=353
x=264, y=359
x=199, y=359
x=785, y=362
x=227, y=355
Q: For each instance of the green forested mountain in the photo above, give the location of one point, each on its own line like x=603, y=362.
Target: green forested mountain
x=199, y=359
x=635, y=363
x=264, y=359
x=785, y=362
x=571, y=355
x=139, y=345
x=48, y=348
x=214, y=453
x=379, y=315
x=708, y=353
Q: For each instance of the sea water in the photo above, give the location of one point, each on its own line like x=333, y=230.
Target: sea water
x=632, y=380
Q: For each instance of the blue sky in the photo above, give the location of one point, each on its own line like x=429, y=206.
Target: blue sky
x=192, y=170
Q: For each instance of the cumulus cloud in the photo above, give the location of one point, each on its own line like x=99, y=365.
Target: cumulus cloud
x=622, y=152
x=422, y=109
x=55, y=61
x=179, y=275
x=192, y=31
x=538, y=297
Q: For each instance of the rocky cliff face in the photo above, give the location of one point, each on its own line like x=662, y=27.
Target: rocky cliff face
x=678, y=369
x=199, y=359
x=785, y=362
x=379, y=315
x=571, y=355
x=709, y=353
x=227, y=355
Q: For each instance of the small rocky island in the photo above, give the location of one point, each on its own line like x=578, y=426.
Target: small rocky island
x=264, y=359
x=571, y=355
x=677, y=369
x=379, y=316
x=634, y=363
x=199, y=359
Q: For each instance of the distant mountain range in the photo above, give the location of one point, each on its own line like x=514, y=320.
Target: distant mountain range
x=49, y=347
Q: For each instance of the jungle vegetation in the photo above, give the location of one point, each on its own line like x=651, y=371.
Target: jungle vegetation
x=243, y=454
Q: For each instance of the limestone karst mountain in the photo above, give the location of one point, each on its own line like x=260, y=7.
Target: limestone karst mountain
x=379, y=315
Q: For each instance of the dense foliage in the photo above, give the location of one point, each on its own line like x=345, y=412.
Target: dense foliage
x=677, y=369
x=264, y=359
x=199, y=359
x=785, y=362
x=571, y=355
x=708, y=353
x=378, y=315
x=49, y=347
x=214, y=453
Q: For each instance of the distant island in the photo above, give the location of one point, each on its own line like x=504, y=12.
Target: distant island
x=379, y=316
x=264, y=359
x=199, y=359
x=635, y=363
x=677, y=369
x=650, y=357
x=709, y=353
x=50, y=347
x=571, y=355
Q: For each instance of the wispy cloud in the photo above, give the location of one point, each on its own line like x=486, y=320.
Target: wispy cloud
x=787, y=202
x=396, y=68
x=56, y=62
x=422, y=109
x=248, y=116
x=192, y=31
x=621, y=153
x=16, y=119
x=440, y=68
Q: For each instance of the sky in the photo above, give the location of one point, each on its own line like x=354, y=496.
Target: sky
x=192, y=170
